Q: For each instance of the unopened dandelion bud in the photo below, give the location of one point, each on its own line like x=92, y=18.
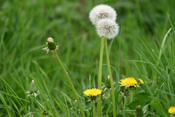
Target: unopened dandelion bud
x=74, y=101
x=107, y=28
x=139, y=112
x=102, y=12
x=138, y=107
x=51, y=43
x=32, y=82
x=108, y=77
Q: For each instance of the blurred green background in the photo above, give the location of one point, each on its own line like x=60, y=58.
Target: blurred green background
x=25, y=26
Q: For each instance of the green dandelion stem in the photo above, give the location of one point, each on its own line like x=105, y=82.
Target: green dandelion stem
x=93, y=104
x=124, y=107
x=131, y=95
x=111, y=79
x=100, y=78
x=70, y=82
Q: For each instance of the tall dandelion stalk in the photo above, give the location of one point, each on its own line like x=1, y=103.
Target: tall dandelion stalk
x=109, y=29
x=100, y=77
x=111, y=79
x=103, y=17
x=52, y=46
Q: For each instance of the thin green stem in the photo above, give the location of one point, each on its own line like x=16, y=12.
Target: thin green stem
x=124, y=106
x=100, y=78
x=111, y=79
x=70, y=82
x=131, y=95
x=93, y=104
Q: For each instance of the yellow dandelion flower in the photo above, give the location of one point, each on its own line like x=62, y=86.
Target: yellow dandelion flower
x=129, y=82
x=92, y=92
x=171, y=110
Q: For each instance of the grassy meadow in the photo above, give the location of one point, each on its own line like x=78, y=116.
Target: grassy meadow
x=144, y=48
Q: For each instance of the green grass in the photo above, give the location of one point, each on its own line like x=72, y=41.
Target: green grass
x=136, y=51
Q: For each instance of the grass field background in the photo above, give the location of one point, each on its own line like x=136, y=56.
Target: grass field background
x=140, y=50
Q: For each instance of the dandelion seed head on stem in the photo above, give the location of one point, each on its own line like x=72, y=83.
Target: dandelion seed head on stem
x=102, y=12
x=107, y=28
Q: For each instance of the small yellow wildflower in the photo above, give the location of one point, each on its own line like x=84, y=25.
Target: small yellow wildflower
x=171, y=110
x=130, y=81
x=141, y=81
x=92, y=92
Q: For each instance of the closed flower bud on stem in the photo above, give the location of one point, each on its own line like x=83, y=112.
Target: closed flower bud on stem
x=32, y=82
x=51, y=43
x=139, y=112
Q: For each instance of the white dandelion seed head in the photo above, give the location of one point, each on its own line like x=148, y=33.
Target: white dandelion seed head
x=102, y=12
x=107, y=28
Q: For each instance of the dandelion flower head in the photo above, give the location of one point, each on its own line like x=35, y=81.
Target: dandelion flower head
x=92, y=92
x=107, y=28
x=129, y=82
x=171, y=110
x=102, y=12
